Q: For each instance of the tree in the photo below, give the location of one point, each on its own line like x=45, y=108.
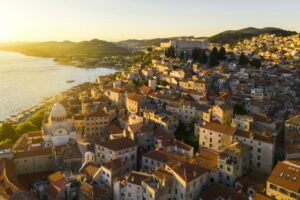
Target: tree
x=213, y=58
x=183, y=134
x=221, y=53
x=170, y=52
x=196, y=54
x=38, y=118
x=243, y=60
x=202, y=57
x=182, y=55
x=7, y=130
x=25, y=127
x=255, y=63
x=147, y=59
x=239, y=110
x=149, y=49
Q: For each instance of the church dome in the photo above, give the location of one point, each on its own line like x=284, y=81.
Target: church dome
x=58, y=113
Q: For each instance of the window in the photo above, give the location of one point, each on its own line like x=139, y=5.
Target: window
x=228, y=169
x=283, y=191
x=258, y=165
x=259, y=150
x=258, y=157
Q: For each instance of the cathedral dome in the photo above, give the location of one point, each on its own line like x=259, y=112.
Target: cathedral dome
x=58, y=113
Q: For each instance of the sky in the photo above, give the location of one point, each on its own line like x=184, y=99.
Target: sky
x=115, y=20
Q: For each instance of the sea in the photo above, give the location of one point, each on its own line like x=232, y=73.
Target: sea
x=25, y=81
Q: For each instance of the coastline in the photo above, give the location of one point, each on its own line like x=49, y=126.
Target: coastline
x=24, y=114
x=90, y=63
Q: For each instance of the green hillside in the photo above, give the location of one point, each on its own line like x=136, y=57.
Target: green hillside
x=233, y=36
x=92, y=49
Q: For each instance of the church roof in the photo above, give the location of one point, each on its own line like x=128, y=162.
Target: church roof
x=58, y=111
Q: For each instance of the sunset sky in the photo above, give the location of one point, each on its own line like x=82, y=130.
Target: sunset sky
x=113, y=20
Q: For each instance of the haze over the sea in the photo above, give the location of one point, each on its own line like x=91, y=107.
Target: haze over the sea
x=25, y=81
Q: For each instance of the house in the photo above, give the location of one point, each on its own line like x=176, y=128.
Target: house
x=59, y=187
x=215, y=136
x=242, y=122
x=112, y=169
x=89, y=191
x=129, y=186
x=219, y=191
x=167, y=142
x=262, y=149
x=95, y=124
x=10, y=187
x=78, y=120
x=161, y=119
x=123, y=148
x=234, y=162
x=134, y=102
x=222, y=113
x=142, y=134
x=284, y=181
x=253, y=184
x=116, y=95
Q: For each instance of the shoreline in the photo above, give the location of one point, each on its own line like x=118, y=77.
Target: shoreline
x=23, y=115
x=74, y=63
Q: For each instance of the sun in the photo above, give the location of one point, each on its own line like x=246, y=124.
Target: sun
x=3, y=34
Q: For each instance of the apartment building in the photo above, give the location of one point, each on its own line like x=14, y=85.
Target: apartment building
x=215, y=136
x=123, y=148
x=222, y=113
x=134, y=102
x=95, y=123
x=284, y=181
x=262, y=149
x=129, y=186
x=234, y=162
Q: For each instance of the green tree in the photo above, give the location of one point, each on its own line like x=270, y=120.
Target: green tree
x=25, y=127
x=7, y=131
x=170, y=52
x=183, y=134
x=182, y=55
x=243, y=60
x=203, y=57
x=38, y=118
x=221, y=53
x=147, y=59
x=239, y=110
x=255, y=63
x=195, y=54
x=213, y=58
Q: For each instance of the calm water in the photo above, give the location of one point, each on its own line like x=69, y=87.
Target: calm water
x=25, y=81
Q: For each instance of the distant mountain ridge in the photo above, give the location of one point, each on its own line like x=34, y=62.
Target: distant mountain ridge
x=226, y=37
x=93, y=48
x=233, y=36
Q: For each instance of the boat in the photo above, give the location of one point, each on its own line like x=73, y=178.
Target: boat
x=70, y=81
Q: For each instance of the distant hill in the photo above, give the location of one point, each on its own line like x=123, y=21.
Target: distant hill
x=233, y=36
x=92, y=49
